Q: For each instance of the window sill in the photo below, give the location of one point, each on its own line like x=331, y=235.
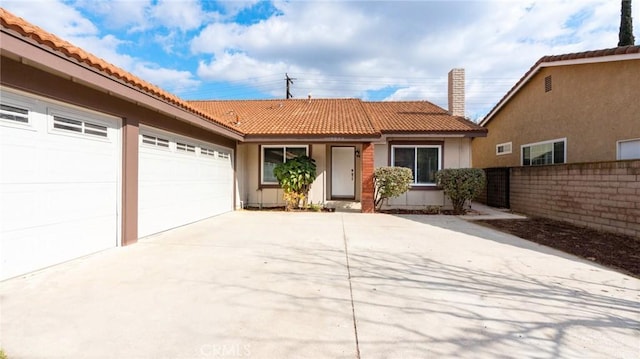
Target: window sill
x=425, y=188
x=268, y=185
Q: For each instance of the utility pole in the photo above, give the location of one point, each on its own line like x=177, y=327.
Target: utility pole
x=289, y=81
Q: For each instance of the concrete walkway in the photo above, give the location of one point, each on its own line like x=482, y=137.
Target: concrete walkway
x=323, y=285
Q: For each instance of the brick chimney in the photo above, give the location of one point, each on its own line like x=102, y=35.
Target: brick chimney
x=456, y=92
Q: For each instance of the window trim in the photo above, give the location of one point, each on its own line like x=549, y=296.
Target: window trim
x=510, y=144
x=186, y=148
x=9, y=100
x=53, y=112
x=156, y=137
x=261, y=182
x=439, y=146
x=563, y=139
x=618, y=143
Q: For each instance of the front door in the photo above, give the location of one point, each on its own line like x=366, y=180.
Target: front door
x=343, y=172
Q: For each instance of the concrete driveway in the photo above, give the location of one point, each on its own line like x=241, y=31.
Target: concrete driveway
x=323, y=285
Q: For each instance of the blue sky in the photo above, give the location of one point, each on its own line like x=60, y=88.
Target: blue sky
x=374, y=50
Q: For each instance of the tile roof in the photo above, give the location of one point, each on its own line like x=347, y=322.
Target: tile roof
x=550, y=59
x=416, y=116
x=44, y=38
x=315, y=117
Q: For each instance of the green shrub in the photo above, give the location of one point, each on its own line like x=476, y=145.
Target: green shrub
x=390, y=182
x=295, y=177
x=461, y=185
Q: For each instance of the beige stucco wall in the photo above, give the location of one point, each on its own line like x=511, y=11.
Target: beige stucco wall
x=456, y=154
x=592, y=105
x=248, y=171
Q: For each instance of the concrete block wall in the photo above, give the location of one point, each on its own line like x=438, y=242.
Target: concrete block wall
x=602, y=195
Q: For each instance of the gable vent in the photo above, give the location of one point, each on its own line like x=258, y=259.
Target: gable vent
x=12, y=113
x=547, y=83
x=78, y=126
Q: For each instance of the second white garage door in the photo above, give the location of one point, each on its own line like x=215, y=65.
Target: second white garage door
x=181, y=180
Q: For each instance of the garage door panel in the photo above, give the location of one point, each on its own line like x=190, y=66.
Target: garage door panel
x=59, y=193
x=29, y=249
x=178, y=187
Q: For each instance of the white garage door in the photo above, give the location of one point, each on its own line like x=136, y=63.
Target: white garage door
x=59, y=175
x=181, y=180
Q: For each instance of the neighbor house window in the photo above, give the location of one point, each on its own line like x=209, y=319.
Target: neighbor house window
x=275, y=155
x=423, y=161
x=629, y=149
x=503, y=148
x=544, y=153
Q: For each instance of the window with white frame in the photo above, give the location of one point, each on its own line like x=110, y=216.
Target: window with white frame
x=275, y=155
x=73, y=125
x=503, y=148
x=207, y=151
x=14, y=113
x=629, y=149
x=544, y=153
x=155, y=141
x=423, y=161
x=185, y=147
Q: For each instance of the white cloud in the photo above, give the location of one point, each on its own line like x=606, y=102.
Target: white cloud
x=182, y=14
x=71, y=25
x=133, y=15
x=172, y=80
x=343, y=49
x=54, y=16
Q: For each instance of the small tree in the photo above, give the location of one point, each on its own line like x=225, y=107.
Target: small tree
x=625, y=36
x=390, y=182
x=461, y=185
x=295, y=177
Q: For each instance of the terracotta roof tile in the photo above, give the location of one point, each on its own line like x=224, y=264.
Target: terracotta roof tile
x=327, y=117
x=44, y=38
x=416, y=116
x=622, y=50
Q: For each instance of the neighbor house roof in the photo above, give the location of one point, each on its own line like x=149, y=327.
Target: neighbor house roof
x=48, y=40
x=417, y=116
x=576, y=58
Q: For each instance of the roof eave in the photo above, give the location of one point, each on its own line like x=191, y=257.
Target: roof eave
x=458, y=134
x=293, y=138
x=40, y=56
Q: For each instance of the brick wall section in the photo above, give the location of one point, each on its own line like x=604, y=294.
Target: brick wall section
x=366, y=198
x=456, y=92
x=603, y=195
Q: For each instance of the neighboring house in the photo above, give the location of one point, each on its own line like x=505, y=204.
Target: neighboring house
x=93, y=157
x=580, y=107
